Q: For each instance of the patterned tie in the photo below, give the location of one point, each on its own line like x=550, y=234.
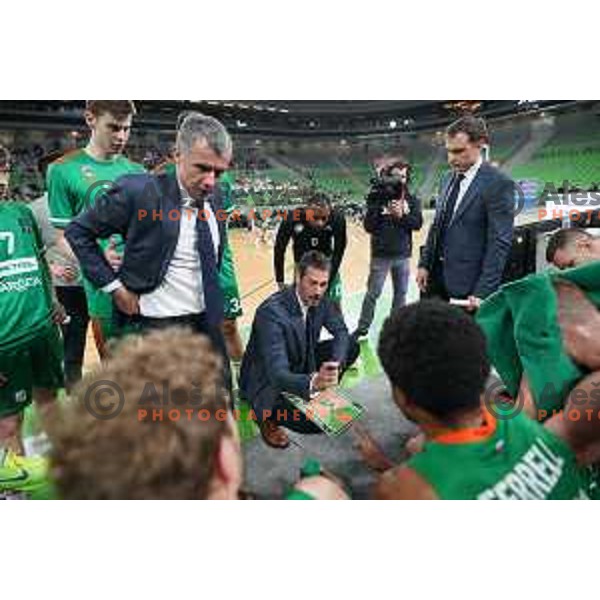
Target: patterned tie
x=213, y=296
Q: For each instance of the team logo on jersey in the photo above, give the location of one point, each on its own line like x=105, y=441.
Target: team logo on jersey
x=20, y=396
x=314, y=242
x=298, y=229
x=25, y=225
x=88, y=172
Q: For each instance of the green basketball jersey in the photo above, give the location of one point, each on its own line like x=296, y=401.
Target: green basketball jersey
x=74, y=181
x=226, y=184
x=168, y=168
x=25, y=284
x=518, y=460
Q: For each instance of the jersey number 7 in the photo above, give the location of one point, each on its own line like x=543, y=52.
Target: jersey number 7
x=9, y=236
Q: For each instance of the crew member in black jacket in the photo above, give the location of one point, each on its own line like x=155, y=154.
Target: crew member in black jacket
x=392, y=215
x=315, y=227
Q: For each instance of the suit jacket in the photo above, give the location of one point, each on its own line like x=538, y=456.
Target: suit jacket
x=275, y=356
x=479, y=236
x=143, y=208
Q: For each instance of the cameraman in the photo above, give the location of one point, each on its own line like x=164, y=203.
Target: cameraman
x=392, y=215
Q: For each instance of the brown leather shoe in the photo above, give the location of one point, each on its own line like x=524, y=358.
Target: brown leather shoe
x=273, y=435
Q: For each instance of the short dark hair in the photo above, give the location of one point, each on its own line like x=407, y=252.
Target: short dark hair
x=121, y=109
x=474, y=127
x=563, y=238
x=318, y=199
x=314, y=259
x=435, y=354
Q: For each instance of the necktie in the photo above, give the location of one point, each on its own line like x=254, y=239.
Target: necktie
x=213, y=297
x=309, y=362
x=448, y=209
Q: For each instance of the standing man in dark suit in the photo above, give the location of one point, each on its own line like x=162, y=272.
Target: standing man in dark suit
x=471, y=236
x=284, y=353
x=174, y=231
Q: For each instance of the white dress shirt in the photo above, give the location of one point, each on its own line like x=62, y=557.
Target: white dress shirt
x=181, y=291
x=469, y=175
x=312, y=391
x=303, y=307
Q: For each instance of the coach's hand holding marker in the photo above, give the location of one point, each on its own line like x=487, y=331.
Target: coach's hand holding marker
x=327, y=376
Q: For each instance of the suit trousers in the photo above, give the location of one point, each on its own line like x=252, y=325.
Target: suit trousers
x=74, y=332
x=378, y=271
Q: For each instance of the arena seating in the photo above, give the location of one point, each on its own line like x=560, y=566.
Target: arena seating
x=343, y=168
x=572, y=154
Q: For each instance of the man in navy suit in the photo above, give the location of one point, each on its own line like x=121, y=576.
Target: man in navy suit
x=471, y=236
x=284, y=353
x=174, y=231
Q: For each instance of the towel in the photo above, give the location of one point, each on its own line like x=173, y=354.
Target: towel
x=523, y=336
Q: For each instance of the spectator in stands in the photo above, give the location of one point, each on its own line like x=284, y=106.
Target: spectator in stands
x=148, y=453
x=393, y=213
x=572, y=247
x=5, y=162
x=471, y=236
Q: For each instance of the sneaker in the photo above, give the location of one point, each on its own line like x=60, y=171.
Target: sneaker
x=23, y=478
